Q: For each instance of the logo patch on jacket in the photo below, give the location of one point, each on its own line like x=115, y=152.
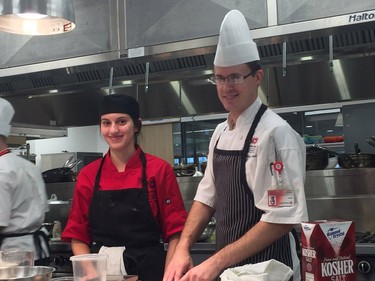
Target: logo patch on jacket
x=253, y=146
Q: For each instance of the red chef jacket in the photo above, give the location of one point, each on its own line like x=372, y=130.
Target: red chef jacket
x=165, y=200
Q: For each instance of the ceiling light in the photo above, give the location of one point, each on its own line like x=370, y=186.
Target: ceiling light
x=36, y=17
x=307, y=58
x=127, y=83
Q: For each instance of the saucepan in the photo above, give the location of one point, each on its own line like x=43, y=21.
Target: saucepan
x=316, y=158
x=371, y=141
x=64, y=174
x=356, y=160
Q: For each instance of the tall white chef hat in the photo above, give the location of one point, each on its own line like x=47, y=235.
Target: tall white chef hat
x=236, y=45
x=6, y=115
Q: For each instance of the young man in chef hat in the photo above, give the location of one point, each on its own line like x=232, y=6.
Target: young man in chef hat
x=23, y=198
x=253, y=221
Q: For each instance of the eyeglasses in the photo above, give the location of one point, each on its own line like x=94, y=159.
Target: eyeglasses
x=234, y=79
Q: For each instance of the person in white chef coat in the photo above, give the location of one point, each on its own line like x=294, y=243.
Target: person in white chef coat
x=23, y=198
x=254, y=222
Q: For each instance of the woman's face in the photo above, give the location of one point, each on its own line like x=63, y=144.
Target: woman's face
x=118, y=130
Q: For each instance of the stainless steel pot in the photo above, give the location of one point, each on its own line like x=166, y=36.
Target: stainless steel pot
x=26, y=273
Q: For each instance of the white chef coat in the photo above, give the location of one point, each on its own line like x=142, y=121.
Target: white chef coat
x=23, y=201
x=273, y=140
x=272, y=134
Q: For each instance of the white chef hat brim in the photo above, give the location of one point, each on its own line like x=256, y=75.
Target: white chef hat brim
x=235, y=45
x=6, y=115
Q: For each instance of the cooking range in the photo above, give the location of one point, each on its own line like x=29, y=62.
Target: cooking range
x=365, y=255
x=60, y=254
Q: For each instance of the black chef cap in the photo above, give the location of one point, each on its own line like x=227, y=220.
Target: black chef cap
x=119, y=103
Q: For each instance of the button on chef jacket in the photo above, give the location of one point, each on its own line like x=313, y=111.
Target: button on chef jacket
x=165, y=200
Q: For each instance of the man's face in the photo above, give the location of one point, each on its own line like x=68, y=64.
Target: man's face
x=237, y=97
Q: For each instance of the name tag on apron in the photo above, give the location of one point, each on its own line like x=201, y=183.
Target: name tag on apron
x=280, y=198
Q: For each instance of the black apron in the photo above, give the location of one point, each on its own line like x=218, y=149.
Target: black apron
x=124, y=218
x=237, y=212
x=39, y=236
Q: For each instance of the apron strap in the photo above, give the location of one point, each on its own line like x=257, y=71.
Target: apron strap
x=247, y=143
x=38, y=237
x=144, y=177
x=251, y=132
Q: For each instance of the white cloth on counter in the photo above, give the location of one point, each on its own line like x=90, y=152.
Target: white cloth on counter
x=271, y=270
x=115, y=260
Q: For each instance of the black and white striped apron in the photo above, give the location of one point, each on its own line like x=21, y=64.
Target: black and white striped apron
x=237, y=212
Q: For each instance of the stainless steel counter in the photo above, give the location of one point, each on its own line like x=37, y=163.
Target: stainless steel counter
x=58, y=247
x=61, y=252
x=340, y=182
x=200, y=247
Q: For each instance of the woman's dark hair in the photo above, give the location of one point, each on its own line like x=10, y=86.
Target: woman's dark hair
x=120, y=103
x=138, y=125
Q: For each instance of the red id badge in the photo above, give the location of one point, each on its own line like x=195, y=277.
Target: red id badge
x=280, y=198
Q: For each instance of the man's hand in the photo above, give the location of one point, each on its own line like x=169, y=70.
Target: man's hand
x=206, y=271
x=181, y=262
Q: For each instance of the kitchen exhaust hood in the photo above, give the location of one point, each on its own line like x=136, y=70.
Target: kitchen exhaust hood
x=170, y=79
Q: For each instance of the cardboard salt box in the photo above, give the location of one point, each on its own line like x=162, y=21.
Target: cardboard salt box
x=328, y=251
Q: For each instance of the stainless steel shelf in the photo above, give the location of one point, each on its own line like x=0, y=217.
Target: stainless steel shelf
x=329, y=144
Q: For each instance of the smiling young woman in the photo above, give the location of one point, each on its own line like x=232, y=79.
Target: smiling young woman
x=119, y=131
x=128, y=200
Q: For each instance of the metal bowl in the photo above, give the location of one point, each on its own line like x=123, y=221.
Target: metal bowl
x=208, y=231
x=26, y=273
x=185, y=170
x=64, y=278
